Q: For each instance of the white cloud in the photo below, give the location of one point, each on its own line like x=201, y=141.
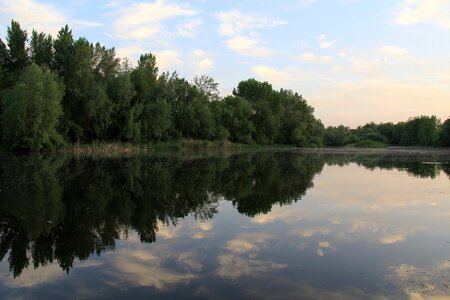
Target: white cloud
x=81, y=23
x=199, y=53
x=131, y=52
x=141, y=21
x=281, y=77
x=324, y=43
x=189, y=29
x=240, y=28
x=429, y=11
x=202, y=61
x=365, y=65
x=32, y=14
x=327, y=44
x=313, y=58
x=235, y=22
x=394, y=51
x=248, y=46
x=205, y=64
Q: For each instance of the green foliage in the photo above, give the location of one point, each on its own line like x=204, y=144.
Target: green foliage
x=207, y=86
x=18, y=54
x=236, y=119
x=444, y=134
x=4, y=59
x=31, y=111
x=121, y=92
x=64, y=46
x=151, y=117
x=41, y=49
x=105, y=100
x=298, y=124
x=266, y=106
x=419, y=131
x=369, y=144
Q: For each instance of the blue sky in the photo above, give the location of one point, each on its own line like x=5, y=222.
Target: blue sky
x=355, y=61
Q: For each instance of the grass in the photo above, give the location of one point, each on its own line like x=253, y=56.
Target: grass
x=115, y=148
x=368, y=144
x=97, y=148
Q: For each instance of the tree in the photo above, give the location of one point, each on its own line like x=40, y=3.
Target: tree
x=419, y=131
x=155, y=118
x=444, y=135
x=18, y=53
x=41, y=49
x=31, y=111
x=4, y=59
x=105, y=64
x=236, y=118
x=64, y=46
x=266, y=106
x=208, y=86
x=87, y=107
x=121, y=91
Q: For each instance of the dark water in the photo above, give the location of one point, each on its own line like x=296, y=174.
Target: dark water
x=273, y=224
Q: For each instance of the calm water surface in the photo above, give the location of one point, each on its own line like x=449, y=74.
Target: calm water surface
x=263, y=225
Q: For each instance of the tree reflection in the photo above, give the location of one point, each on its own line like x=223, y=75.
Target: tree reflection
x=62, y=209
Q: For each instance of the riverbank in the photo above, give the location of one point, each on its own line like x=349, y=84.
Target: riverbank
x=182, y=145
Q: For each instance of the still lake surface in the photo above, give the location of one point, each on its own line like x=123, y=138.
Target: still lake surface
x=290, y=224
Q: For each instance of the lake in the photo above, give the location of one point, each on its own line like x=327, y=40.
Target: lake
x=272, y=224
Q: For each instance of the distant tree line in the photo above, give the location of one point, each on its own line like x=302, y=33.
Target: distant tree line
x=418, y=131
x=62, y=90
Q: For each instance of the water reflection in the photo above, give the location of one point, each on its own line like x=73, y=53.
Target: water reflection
x=63, y=210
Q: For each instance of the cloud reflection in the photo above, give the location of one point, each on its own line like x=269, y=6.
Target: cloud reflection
x=234, y=266
x=424, y=283
x=140, y=268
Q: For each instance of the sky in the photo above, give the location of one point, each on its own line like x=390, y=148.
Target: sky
x=354, y=61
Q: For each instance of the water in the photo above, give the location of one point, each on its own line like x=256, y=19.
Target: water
x=291, y=224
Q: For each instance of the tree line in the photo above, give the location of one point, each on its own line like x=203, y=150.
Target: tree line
x=419, y=131
x=55, y=91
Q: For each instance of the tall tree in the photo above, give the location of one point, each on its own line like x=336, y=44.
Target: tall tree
x=266, y=106
x=64, y=47
x=4, y=60
x=18, y=57
x=444, y=135
x=152, y=100
x=31, y=111
x=236, y=118
x=208, y=86
x=41, y=49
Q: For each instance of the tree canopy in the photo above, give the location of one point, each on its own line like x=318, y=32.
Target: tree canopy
x=62, y=89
